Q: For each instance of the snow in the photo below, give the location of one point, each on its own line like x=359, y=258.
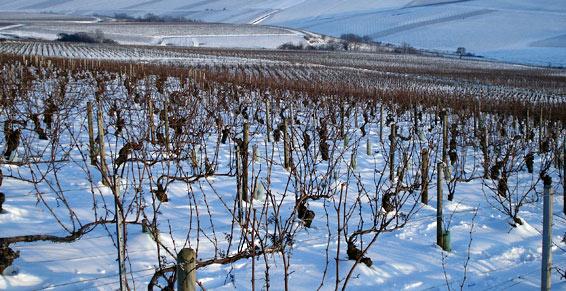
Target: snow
x=192, y=34
x=528, y=32
x=503, y=30
x=502, y=257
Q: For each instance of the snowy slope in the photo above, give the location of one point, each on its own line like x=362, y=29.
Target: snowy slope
x=183, y=34
x=497, y=29
x=518, y=31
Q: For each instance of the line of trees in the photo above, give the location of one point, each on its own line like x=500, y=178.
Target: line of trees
x=151, y=17
x=85, y=37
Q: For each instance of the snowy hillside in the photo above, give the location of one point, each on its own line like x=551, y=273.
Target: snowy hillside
x=178, y=34
x=516, y=31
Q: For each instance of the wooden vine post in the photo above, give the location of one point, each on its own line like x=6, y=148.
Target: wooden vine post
x=255, y=153
x=392, y=146
x=485, y=151
x=381, y=122
x=356, y=123
x=166, y=113
x=120, y=232
x=475, y=116
x=92, y=145
x=540, y=130
x=424, y=176
x=416, y=119
x=353, y=160
x=2, y=200
x=186, y=270
x=101, y=149
x=150, y=120
x=404, y=167
x=342, y=122
x=527, y=126
x=239, y=197
x=245, y=154
x=548, y=200
x=445, y=143
x=286, y=146
x=439, y=181
x=268, y=119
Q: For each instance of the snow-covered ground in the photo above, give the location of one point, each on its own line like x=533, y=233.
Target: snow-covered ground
x=528, y=31
x=179, y=34
x=512, y=31
x=501, y=257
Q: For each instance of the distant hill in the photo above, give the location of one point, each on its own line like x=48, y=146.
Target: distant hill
x=528, y=31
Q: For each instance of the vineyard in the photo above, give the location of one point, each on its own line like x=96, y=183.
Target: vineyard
x=102, y=52
x=279, y=170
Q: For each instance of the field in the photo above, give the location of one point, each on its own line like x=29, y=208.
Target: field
x=27, y=17
x=283, y=170
x=191, y=35
x=131, y=53
x=48, y=27
x=499, y=81
x=523, y=32
x=501, y=30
